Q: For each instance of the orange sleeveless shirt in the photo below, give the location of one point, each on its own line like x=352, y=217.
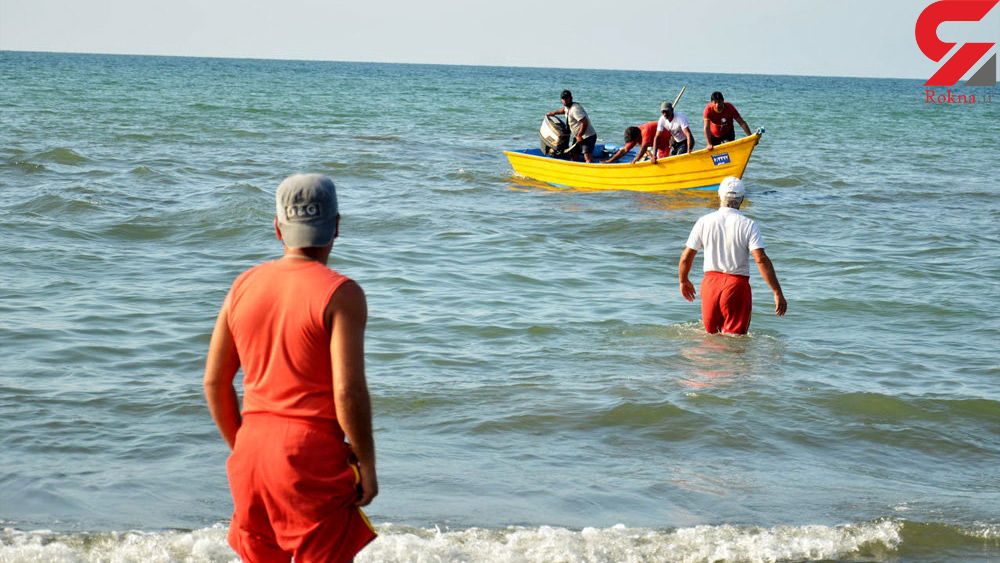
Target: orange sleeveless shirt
x=276, y=312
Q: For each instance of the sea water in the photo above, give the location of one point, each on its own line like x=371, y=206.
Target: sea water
x=542, y=392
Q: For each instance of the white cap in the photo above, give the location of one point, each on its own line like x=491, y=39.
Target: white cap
x=731, y=185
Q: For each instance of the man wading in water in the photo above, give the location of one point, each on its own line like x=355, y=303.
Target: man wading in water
x=729, y=239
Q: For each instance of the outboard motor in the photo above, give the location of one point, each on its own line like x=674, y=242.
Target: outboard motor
x=555, y=136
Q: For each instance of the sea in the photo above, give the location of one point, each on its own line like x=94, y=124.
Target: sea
x=541, y=390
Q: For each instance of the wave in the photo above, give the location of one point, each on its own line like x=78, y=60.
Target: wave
x=62, y=155
x=24, y=166
x=880, y=540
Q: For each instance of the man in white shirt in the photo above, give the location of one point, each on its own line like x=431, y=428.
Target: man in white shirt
x=675, y=125
x=582, y=132
x=729, y=238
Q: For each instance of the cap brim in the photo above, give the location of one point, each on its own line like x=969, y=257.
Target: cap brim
x=306, y=234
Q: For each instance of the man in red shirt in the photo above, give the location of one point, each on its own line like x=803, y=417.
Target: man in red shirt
x=719, y=117
x=296, y=328
x=643, y=136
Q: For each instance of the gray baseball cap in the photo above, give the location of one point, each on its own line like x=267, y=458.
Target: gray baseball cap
x=666, y=106
x=307, y=210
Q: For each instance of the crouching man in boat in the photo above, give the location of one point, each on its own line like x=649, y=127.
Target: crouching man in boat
x=580, y=129
x=729, y=239
x=643, y=136
x=676, y=127
x=719, y=117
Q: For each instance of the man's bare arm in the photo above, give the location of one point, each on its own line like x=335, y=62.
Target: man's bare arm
x=683, y=270
x=220, y=369
x=743, y=124
x=642, y=152
x=767, y=272
x=347, y=314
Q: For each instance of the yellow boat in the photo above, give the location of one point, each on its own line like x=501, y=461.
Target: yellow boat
x=700, y=169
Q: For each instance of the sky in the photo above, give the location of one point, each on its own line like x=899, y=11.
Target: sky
x=862, y=38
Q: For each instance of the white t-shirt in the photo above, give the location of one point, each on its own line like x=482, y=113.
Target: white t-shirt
x=574, y=115
x=676, y=126
x=728, y=237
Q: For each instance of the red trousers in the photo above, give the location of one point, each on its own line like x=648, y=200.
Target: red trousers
x=725, y=303
x=294, y=487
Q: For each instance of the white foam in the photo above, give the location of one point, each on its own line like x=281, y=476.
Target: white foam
x=620, y=544
x=43, y=546
x=987, y=532
x=545, y=544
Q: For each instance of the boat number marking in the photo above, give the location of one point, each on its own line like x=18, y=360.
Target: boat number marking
x=718, y=159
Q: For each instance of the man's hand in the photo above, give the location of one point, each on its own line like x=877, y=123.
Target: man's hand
x=780, y=305
x=368, y=488
x=687, y=290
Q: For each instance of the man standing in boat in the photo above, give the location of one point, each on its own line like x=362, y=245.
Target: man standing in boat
x=729, y=238
x=675, y=125
x=643, y=136
x=580, y=129
x=719, y=117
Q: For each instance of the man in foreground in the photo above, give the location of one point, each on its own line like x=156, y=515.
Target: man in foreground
x=296, y=327
x=643, y=136
x=719, y=117
x=728, y=239
x=583, y=136
x=676, y=126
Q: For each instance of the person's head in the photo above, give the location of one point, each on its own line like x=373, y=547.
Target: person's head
x=667, y=109
x=731, y=192
x=307, y=216
x=633, y=135
x=718, y=101
x=566, y=97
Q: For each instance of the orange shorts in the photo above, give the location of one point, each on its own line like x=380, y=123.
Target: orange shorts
x=726, y=303
x=294, y=485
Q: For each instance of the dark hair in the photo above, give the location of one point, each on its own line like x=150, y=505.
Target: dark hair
x=632, y=135
x=566, y=94
x=717, y=97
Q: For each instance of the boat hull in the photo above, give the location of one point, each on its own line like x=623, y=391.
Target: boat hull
x=700, y=169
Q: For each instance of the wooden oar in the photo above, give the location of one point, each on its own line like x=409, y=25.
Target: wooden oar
x=679, y=94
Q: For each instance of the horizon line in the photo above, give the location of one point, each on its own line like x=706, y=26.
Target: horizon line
x=294, y=59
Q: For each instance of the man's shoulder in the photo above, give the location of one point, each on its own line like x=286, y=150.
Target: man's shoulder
x=255, y=269
x=745, y=220
x=348, y=298
x=707, y=217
